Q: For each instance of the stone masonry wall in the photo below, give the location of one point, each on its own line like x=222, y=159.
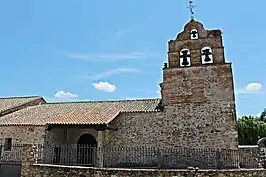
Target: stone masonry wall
x=136, y=130
x=200, y=100
x=160, y=140
x=186, y=126
x=23, y=134
x=20, y=135
x=63, y=171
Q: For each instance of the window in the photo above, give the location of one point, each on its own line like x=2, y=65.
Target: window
x=8, y=144
x=194, y=34
x=206, y=55
x=185, y=58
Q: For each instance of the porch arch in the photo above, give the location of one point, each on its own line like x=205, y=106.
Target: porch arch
x=86, y=150
x=87, y=140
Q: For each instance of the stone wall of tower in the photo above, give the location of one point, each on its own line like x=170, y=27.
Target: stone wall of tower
x=199, y=98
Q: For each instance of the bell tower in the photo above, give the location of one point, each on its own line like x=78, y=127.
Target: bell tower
x=198, y=91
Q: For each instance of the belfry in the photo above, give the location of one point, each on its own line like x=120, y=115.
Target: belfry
x=197, y=88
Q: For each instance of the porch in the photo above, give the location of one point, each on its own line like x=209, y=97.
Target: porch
x=74, y=144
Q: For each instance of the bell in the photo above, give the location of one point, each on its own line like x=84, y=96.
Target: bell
x=194, y=34
x=207, y=54
x=207, y=58
x=184, y=56
x=185, y=62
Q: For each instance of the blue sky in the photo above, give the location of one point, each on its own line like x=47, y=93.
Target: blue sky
x=100, y=50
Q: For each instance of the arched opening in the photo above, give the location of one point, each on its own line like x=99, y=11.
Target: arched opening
x=194, y=34
x=185, y=58
x=206, y=55
x=86, y=150
x=87, y=139
x=262, y=142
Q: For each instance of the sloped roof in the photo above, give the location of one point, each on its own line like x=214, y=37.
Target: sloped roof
x=12, y=102
x=93, y=112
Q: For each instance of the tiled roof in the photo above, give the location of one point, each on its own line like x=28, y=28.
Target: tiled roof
x=12, y=102
x=85, y=117
x=93, y=112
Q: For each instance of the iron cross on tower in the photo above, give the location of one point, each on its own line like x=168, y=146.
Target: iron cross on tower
x=191, y=7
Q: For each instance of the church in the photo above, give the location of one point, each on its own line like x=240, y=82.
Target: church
x=196, y=108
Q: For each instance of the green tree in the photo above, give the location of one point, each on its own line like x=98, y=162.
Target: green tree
x=250, y=130
x=262, y=116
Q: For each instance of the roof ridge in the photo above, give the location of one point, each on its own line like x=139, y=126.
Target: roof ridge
x=18, y=97
x=102, y=101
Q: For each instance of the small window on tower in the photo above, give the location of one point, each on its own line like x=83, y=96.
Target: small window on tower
x=206, y=55
x=185, y=58
x=194, y=34
x=8, y=144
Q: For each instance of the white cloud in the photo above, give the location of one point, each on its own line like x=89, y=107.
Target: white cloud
x=104, y=86
x=252, y=87
x=113, y=72
x=63, y=94
x=53, y=99
x=111, y=56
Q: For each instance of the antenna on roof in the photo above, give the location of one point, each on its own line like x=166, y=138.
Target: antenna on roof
x=191, y=7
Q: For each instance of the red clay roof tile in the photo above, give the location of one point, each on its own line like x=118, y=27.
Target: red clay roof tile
x=92, y=112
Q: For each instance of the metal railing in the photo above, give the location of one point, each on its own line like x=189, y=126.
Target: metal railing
x=147, y=157
x=138, y=157
x=179, y=158
x=82, y=155
x=11, y=154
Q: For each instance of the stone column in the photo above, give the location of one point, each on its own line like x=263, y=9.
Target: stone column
x=100, y=148
x=28, y=158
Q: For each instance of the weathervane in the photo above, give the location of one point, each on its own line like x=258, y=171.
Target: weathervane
x=191, y=7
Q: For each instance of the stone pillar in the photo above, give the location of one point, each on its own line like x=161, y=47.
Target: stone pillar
x=28, y=158
x=100, y=148
x=261, y=155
